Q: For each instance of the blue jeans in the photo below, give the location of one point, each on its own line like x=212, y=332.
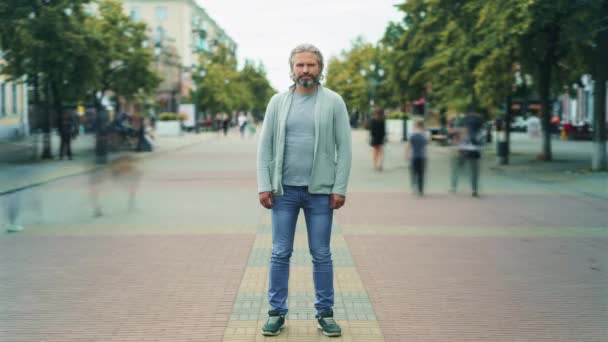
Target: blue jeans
x=318, y=217
x=457, y=163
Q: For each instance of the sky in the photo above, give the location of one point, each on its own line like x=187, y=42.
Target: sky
x=267, y=30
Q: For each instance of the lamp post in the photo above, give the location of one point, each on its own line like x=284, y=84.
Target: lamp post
x=201, y=74
x=374, y=79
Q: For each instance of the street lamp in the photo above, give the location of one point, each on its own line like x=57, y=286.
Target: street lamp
x=201, y=74
x=374, y=79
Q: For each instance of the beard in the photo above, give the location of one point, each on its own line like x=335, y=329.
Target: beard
x=308, y=82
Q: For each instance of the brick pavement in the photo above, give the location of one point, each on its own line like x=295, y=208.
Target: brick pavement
x=139, y=288
x=526, y=262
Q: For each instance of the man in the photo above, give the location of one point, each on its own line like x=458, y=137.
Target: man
x=469, y=151
x=416, y=154
x=304, y=159
x=242, y=122
x=66, y=131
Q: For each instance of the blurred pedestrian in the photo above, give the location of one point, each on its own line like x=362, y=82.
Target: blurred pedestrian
x=469, y=151
x=250, y=124
x=242, y=122
x=126, y=173
x=146, y=137
x=66, y=133
x=123, y=172
x=102, y=127
x=22, y=199
x=225, y=123
x=416, y=154
x=12, y=205
x=304, y=158
x=377, y=132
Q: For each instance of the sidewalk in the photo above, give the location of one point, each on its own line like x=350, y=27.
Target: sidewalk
x=569, y=172
x=524, y=262
x=21, y=167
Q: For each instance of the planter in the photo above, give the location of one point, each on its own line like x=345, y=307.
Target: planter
x=394, y=129
x=168, y=128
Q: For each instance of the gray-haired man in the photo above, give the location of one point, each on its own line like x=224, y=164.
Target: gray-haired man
x=304, y=159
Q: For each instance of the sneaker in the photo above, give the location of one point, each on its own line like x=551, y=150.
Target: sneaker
x=475, y=194
x=274, y=324
x=13, y=228
x=328, y=325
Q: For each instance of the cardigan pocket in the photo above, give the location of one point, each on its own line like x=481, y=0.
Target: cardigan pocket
x=327, y=170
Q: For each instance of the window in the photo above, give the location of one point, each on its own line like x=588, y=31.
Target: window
x=2, y=99
x=135, y=14
x=161, y=13
x=15, y=111
x=159, y=35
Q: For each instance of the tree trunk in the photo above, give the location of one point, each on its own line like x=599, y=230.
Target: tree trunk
x=599, y=95
x=507, y=128
x=48, y=114
x=36, y=119
x=58, y=106
x=545, y=98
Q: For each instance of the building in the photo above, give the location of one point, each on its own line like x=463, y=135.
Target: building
x=13, y=109
x=182, y=29
x=578, y=107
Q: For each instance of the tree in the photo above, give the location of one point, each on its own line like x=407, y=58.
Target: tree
x=122, y=62
x=555, y=48
x=394, y=88
x=417, y=44
x=600, y=76
x=344, y=75
x=44, y=42
x=254, y=79
x=499, y=26
x=215, y=88
x=226, y=89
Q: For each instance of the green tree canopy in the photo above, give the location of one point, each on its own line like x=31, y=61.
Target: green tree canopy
x=224, y=88
x=118, y=47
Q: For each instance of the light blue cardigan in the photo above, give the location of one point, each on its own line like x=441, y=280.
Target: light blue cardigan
x=332, y=150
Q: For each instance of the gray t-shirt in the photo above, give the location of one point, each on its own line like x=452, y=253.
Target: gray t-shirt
x=299, y=140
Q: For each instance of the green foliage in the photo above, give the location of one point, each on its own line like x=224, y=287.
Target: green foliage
x=464, y=55
x=344, y=76
x=397, y=116
x=254, y=79
x=117, y=45
x=168, y=116
x=45, y=40
x=223, y=88
x=73, y=54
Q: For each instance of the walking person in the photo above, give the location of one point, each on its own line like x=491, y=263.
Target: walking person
x=242, y=122
x=12, y=206
x=416, y=154
x=66, y=131
x=468, y=151
x=303, y=162
x=225, y=123
x=377, y=132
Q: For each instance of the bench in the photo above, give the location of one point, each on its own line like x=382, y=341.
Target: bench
x=442, y=139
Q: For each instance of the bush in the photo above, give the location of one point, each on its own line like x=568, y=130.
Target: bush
x=397, y=116
x=169, y=116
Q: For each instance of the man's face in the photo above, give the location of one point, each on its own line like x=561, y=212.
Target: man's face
x=305, y=69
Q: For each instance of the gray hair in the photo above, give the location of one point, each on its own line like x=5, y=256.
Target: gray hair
x=307, y=48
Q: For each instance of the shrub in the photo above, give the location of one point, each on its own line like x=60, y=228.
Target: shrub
x=166, y=116
x=397, y=116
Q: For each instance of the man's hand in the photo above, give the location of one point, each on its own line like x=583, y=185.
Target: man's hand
x=336, y=201
x=266, y=199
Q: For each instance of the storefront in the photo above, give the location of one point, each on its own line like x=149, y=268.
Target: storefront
x=13, y=109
